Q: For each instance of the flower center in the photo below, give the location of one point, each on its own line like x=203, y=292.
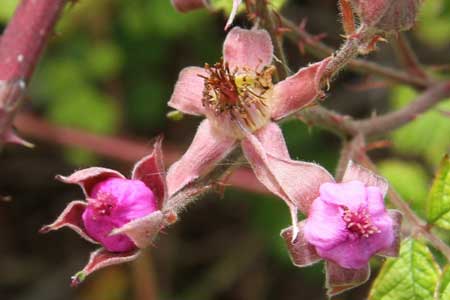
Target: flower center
x=103, y=203
x=359, y=222
x=237, y=100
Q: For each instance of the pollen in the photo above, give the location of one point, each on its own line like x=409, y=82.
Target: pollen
x=237, y=101
x=103, y=204
x=359, y=222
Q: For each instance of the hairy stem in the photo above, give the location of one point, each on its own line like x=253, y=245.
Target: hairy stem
x=321, y=50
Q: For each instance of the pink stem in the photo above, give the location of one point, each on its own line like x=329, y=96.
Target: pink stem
x=21, y=46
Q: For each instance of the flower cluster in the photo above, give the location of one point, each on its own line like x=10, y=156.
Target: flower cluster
x=346, y=223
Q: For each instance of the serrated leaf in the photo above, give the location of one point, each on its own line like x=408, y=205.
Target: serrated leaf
x=439, y=198
x=444, y=286
x=412, y=276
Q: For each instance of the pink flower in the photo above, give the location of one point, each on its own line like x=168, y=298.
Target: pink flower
x=112, y=203
x=240, y=102
x=123, y=215
x=347, y=224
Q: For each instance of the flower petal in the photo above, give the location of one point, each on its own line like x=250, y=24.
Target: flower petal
x=188, y=92
x=272, y=139
x=100, y=259
x=394, y=248
x=245, y=48
x=298, y=90
x=142, y=231
x=375, y=201
x=340, y=279
x=355, y=254
x=296, y=182
x=324, y=227
x=355, y=171
x=71, y=217
x=207, y=149
x=87, y=178
x=188, y=5
x=150, y=170
x=301, y=252
x=233, y=13
x=350, y=194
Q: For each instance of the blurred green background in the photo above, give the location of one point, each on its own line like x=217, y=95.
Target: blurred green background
x=110, y=70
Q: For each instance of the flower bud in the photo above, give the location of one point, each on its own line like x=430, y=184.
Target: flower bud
x=387, y=15
x=113, y=203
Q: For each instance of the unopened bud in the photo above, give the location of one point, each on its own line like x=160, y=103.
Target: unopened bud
x=387, y=15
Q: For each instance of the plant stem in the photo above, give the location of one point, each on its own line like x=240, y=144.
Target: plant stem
x=407, y=57
x=321, y=50
x=21, y=46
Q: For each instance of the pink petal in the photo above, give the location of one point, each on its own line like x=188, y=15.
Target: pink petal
x=394, y=248
x=87, y=178
x=250, y=49
x=357, y=172
x=71, y=217
x=100, y=259
x=233, y=13
x=375, y=201
x=12, y=137
x=325, y=227
x=350, y=194
x=142, y=231
x=188, y=5
x=301, y=252
x=355, y=254
x=150, y=170
x=298, y=90
x=272, y=139
x=188, y=92
x=340, y=279
x=295, y=182
x=207, y=149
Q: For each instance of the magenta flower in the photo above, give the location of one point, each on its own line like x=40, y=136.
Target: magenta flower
x=240, y=102
x=122, y=215
x=347, y=224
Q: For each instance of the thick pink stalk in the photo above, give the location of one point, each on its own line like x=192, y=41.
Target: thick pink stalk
x=21, y=46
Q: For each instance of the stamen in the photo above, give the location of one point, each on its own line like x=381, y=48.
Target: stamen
x=237, y=96
x=103, y=203
x=359, y=222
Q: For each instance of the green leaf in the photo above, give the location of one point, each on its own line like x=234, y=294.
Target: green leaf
x=444, y=286
x=8, y=7
x=439, y=197
x=409, y=179
x=436, y=15
x=412, y=276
